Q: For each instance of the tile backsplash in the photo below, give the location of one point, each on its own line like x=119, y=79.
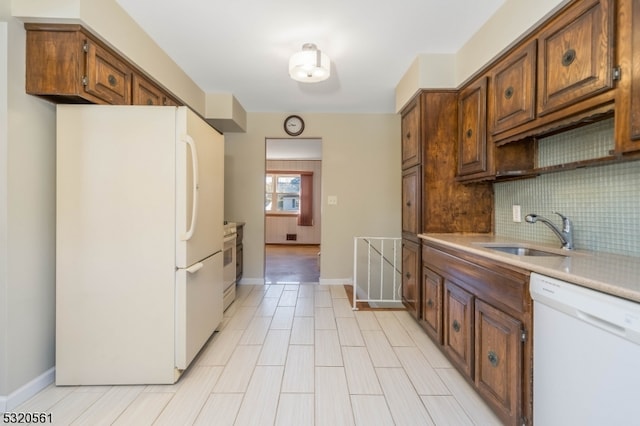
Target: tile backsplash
x=603, y=202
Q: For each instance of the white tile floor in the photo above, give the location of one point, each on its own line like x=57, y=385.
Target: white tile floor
x=291, y=355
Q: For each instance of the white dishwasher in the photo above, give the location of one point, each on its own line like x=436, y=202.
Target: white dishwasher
x=586, y=356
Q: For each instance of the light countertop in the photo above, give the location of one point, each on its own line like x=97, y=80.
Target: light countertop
x=613, y=274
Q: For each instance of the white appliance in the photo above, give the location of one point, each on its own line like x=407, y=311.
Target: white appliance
x=229, y=263
x=586, y=356
x=139, y=242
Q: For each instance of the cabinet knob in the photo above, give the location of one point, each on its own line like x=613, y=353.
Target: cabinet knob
x=408, y=135
x=493, y=358
x=408, y=275
x=469, y=133
x=568, y=57
x=409, y=203
x=430, y=303
x=456, y=326
x=112, y=80
x=508, y=93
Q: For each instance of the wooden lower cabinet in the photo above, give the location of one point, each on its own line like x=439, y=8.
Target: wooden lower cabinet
x=498, y=360
x=431, y=319
x=411, y=276
x=479, y=312
x=458, y=329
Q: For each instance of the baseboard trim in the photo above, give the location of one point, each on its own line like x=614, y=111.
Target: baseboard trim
x=25, y=392
x=336, y=281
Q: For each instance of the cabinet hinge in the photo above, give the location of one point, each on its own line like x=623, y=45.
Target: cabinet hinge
x=523, y=336
x=85, y=81
x=85, y=47
x=617, y=73
x=523, y=421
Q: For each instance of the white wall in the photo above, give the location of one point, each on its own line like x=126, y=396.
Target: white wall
x=360, y=165
x=27, y=222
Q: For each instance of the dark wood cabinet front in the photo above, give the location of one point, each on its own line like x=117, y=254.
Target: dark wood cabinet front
x=575, y=55
x=498, y=361
x=472, y=122
x=411, y=276
x=432, y=285
x=458, y=327
x=513, y=90
x=411, y=199
x=411, y=146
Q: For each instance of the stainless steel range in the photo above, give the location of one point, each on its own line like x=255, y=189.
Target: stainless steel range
x=229, y=263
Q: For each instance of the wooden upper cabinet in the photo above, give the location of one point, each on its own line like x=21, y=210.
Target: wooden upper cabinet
x=145, y=93
x=575, y=55
x=106, y=77
x=411, y=149
x=513, y=89
x=65, y=63
x=472, y=122
x=631, y=142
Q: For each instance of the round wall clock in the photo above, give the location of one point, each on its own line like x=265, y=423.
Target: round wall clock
x=293, y=125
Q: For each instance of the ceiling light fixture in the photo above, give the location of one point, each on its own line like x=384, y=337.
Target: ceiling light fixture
x=309, y=65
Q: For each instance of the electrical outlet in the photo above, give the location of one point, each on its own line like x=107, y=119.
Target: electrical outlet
x=332, y=200
x=517, y=215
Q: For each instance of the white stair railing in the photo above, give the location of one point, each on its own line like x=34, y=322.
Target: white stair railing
x=377, y=275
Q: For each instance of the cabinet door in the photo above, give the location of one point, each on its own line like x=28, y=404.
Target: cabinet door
x=410, y=276
x=513, y=92
x=432, y=304
x=498, y=366
x=411, y=152
x=635, y=78
x=411, y=200
x=458, y=327
x=145, y=93
x=106, y=77
x=575, y=55
x=472, y=122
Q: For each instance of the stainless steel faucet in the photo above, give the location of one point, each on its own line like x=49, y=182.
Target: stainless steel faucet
x=565, y=235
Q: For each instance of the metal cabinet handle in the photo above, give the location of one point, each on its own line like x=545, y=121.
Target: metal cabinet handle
x=430, y=303
x=112, y=80
x=409, y=203
x=408, y=275
x=469, y=133
x=408, y=135
x=456, y=326
x=493, y=358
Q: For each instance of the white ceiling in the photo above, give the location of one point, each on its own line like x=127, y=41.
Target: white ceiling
x=243, y=46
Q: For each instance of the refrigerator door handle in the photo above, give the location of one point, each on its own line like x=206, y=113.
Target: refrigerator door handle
x=194, y=268
x=194, y=212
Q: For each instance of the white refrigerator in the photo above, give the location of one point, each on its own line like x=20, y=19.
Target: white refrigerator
x=139, y=242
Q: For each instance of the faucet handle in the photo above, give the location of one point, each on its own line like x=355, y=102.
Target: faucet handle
x=566, y=222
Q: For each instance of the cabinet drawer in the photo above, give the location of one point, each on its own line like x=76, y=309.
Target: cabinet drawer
x=144, y=92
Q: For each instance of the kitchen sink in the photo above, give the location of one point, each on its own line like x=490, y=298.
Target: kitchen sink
x=523, y=251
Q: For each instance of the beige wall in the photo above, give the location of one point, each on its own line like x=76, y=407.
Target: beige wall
x=360, y=165
x=27, y=220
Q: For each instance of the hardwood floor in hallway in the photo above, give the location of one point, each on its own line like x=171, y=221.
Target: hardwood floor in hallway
x=292, y=264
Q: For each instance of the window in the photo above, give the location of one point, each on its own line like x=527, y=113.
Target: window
x=282, y=193
x=290, y=193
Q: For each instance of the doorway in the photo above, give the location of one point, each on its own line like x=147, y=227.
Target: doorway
x=293, y=174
